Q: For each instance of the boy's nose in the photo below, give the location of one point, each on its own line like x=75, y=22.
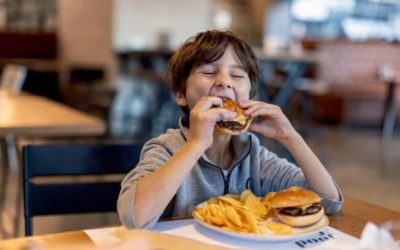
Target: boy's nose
x=223, y=81
x=224, y=84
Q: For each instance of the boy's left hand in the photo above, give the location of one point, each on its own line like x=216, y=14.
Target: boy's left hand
x=273, y=123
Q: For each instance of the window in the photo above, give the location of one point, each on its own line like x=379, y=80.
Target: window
x=354, y=19
x=36, y=15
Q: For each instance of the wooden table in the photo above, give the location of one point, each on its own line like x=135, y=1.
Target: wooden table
x=27, y=114
x=30, y=115
x=351, y=220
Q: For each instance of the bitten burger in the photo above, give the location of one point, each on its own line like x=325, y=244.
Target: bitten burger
x=297, y=207
x=234, y=126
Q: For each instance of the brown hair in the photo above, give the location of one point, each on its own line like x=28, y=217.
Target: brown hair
x=206, y=47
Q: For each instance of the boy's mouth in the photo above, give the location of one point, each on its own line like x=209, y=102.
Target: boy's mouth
x=222, y=94
x=224, y=97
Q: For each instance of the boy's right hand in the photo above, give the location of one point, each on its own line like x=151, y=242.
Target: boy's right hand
x=205, y=113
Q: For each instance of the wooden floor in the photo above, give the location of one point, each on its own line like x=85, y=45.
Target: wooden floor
x=356, y=158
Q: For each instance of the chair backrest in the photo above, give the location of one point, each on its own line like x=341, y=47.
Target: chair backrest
x=13, y=78
x=44, y=198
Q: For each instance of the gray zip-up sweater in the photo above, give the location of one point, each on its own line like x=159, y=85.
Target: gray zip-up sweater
x=254, y=167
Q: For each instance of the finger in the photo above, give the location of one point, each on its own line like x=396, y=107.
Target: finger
x=252, y=108
x=207, y=102
x=214, y=114
x=256, y=127
x=219, y=114
x=255, y=110
x=263, y=112
x=251, y=105
x=250, y=102
x=246, y=103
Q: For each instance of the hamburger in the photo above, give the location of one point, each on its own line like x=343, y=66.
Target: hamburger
x=297, y=207
x=234, y=126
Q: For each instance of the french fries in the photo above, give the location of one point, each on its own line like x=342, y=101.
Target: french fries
x=245, y=213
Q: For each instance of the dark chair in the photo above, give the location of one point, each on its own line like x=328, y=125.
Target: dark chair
x=73, y=160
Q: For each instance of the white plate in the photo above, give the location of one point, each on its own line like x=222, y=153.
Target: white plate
x=297, y=232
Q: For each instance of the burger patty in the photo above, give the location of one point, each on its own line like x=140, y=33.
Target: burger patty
x=232, y=125
x=312, y=209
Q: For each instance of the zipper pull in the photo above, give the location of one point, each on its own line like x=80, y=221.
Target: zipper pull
x=226, y=186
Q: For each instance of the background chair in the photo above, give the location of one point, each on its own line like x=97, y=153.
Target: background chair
x=13, y=78
x=73, y=160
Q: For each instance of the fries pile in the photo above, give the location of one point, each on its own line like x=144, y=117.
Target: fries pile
x=244, y=213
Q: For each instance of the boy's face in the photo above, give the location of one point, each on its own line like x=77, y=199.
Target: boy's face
x=224, y=77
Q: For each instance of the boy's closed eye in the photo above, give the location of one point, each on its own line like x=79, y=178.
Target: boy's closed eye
x=207, y=69
x=234, y=75
x=238, y=72
x=208, y=73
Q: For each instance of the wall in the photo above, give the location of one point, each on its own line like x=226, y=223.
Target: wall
x=240, y=16
x=91, y=30
x=138, y=23
x=85, y=33
x=258, y=10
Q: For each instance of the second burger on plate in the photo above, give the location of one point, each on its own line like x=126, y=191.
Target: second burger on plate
x=297, y=207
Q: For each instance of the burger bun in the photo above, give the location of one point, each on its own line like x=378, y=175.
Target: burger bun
x=240, y=118
x=294, y=196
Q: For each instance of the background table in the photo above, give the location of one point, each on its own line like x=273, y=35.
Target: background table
x=27, y=114
x=294, y=66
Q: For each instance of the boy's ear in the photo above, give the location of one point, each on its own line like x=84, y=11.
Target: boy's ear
x=180, y=99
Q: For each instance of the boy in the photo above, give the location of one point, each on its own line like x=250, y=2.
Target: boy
x=187, y=166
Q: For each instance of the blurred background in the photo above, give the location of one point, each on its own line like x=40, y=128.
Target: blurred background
x=332, y=65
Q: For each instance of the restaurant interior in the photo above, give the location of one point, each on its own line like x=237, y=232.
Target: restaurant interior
x=332, y=66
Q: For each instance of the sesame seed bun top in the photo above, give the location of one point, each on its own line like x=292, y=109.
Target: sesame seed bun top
x=293, y=197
